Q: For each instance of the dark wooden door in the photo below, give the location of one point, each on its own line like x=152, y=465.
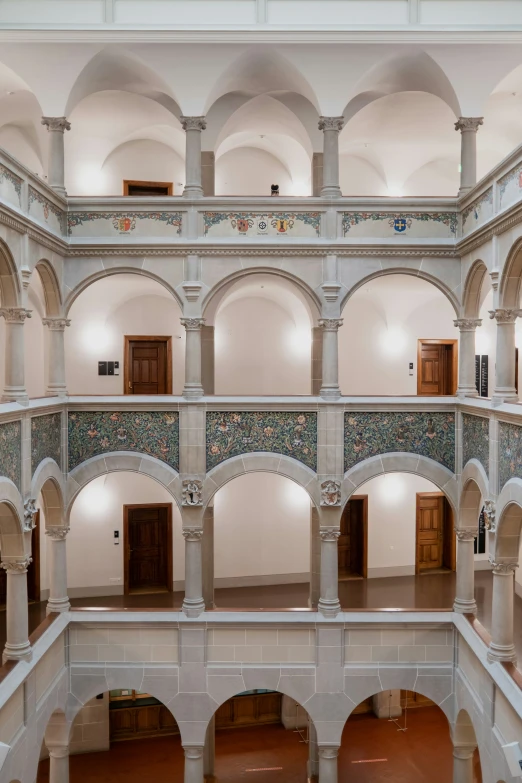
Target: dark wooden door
x=352, y=541
x=33, y=572
x=436, y=371
x=147, y=367
x=148, y=548
x=430, y=531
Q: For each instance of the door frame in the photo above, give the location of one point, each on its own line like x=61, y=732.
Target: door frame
x=364, y=499
x=447, y=530
x=454, y=363
x=134, y=338
x=126, y=550
x=138, y=182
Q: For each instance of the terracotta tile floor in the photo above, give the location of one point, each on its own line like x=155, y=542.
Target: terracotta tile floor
x=420, y=755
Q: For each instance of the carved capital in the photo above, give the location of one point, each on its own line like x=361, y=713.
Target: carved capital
x=59, y=751
x=331, y=493
x=490, y=516
x=57, y=533
x=503, y=569
x=193, y=123
x=193, y=324
x=465, y=535
x=464, y=752
x=504, y=315
x=193, y=535
x=329, y=533
x=30, y=512
x=56, y=324
x=328, y=751
x=192, y=492
x=465, y=124
x=193, y=751
x=60, y=124
x=331, y=123
x=467, y=324
x=330, y=324
x=15, y=315
x=16, y=566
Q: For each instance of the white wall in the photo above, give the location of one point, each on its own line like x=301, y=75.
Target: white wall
x=142, y=159
x=248, y=171
x=106, y=311
x=35, y=340
x=93, y=559
x=382, y=323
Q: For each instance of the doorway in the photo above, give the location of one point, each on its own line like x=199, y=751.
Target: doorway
x=147, y=365
x=352, y=546
x=33, y=569
x=437, y=367
x=147, y=547
x=435, y=536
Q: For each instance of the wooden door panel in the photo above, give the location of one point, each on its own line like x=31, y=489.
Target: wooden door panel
x=147, y=366
x=148, y=540
x=436, y=371
x=430, y=529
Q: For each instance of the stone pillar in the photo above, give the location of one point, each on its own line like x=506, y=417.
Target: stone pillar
x=193, y=764
x=317, y=173
x=468, y=127
x=207, y=555
x=329, y=599
x=208, y=173
x=315, y=558
x=57, y=554
x=207, y=359
x=463, y=764
x=328, y=763
x=193, y=127
x=331, y=127
x=17, y=622
x=467, y=327
x=312, y=768
x=193, y=386
x=58, y=764
x=56, y=385
x=505, y=362
x=330, y=381
x=14, y=389
x=193, y=603
x=465, y=589
x=209, y=752
x=387, y=704
x=502, y=647
x=317, y=360
x=56, y=161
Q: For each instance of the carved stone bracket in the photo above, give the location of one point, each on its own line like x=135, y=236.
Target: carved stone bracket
x=331, y=291
x=56, y=324
x=466, y=124
x=331, y=493
x=329, y=533
x=57, y=533
x=193, y=123
x=193, y=324
x=192, y=289
x=490, y=516
x=331, y=124
x=330, y=324
x=192, y=535
x=192, y=492
x=16, y=566
x=60, y=124
x=30, y=512
x=467, y=324
x=15, y=315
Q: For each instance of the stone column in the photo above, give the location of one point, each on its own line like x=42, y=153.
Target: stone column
x=14, y=389
x=56, y=161
x=193, y=603
x=465, y=589
x=58, y=764
x=329, y=600
x=207, y=556
x=56, y=385
x=387, y=704
x=17, y=622
x=193, y=764
x=331, y=127
x=193, y=127
x=467, y=327
x=505, y=362
x=328, y=763
x=209, y=752
x=193, y=385
x=313, y=753
x=330, y=380
x=463, y=764
x=502, y=647
x=468, y=127
x=57, y=554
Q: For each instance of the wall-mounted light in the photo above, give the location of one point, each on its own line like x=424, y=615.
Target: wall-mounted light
x=96, y=497
x=392, y=487
x=97, y=337
x=393, y=341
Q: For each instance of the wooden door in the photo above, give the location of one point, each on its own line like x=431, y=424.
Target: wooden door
x=436, y=367
x=352, y=541
x=148, y=365
x=147, y=533
x=33, y=572
x=430, y=531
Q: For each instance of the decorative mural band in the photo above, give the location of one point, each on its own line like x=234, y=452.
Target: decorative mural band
x=11, y=452
x=509, y=452
x=124, y=223
x=232, y=434
x=477, y=212
x=6, y=175
x=413, y=224
x=91, y=433
x=46, y=439
x=47, y=209
x=268, y=224
x=475, y=440
x=509, y=186
x=371, y=433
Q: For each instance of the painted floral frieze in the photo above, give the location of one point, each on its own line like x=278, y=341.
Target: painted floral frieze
x=510, y=187
x=232, y=434
x=46, y=439
x=415, y=225
x=11, y=451
x=114, y=224
x=254, y=224
x=368, y=434
x=155, y=433
x=478, y=212
x=10, y=185
x=475, y=440
x=509, y=452
x=46, y=212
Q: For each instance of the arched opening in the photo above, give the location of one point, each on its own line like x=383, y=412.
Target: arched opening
x=111, y=320
x=465, y=739
x=21, y=133
x=396, y=328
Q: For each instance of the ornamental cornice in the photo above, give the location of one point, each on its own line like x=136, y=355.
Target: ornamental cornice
x=246, y=250
x=466, y=124
x=467, y=324
x=56, y=324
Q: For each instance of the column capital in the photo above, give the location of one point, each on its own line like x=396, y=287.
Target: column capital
x=505, y=315
x=19, y=566
x=58, y=751
x=193, y=123
x=60, y=124
x=329, y=533
x=56, y=532
x=29, y=515
x=464, y=752
x=467, y=324
x=192, y=535
x=193, y=324
x=328, y=751
x=331, y=493
x=15, y=315
x=331, y=123
x=466, y=535
x=466, y=124
x=330, y=324
x=193, y=751
x=56, y=324
x=192, y=492
x=503, y=569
